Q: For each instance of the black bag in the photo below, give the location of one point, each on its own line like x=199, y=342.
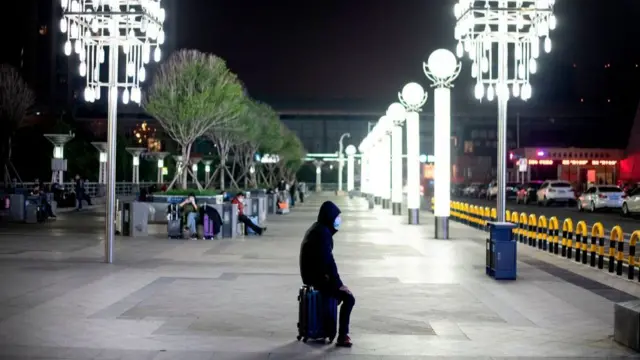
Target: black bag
x=317, y=315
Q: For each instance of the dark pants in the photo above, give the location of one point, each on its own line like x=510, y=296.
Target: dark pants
x=301, y=196
x=293, y=198
x=248, y=223
x=348, y=301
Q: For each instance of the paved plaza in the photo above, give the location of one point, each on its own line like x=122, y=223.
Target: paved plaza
x=416, y=297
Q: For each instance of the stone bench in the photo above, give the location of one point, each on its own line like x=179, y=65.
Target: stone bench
x=627, y=324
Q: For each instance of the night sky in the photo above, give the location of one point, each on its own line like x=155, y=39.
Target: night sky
x=368, y=49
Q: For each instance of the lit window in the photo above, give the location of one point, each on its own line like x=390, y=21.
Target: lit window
x=581, y=100
x=608, y=100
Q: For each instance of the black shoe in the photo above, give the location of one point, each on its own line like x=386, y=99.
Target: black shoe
x=344, y=341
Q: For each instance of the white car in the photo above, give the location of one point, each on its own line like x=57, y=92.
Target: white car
x=511, y=190
x=601, y=197
x=631, y=202
x=555, y=191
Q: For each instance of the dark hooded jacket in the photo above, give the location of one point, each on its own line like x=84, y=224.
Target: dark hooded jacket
x=317, y=266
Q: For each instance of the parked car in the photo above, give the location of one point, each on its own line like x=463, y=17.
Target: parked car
x=510, y=190
x=601, y=197
x=555, y=192
x=457, y=189
x=472, y=190
x=527, y=193
x=631, y=202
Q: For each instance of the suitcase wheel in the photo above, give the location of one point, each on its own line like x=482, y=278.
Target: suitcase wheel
x=298, y=337
x=304, y=340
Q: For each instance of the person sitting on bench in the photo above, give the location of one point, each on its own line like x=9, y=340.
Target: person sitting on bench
x=190, y=211
x=239, y=200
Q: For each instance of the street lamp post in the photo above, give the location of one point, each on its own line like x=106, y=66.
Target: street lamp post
x=397, y=113
x=318, y=165
x=160, y=165
x=495, y=34
x=207, y=171
x=135, y=153
x=442, y=68
x=341, y=160
x=386, y=125
x=92, y=27
x=413, y=97
x=376, y=155
x=102, y=159
x=351, y=152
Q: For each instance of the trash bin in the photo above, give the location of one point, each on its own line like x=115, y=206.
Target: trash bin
x=501, y=251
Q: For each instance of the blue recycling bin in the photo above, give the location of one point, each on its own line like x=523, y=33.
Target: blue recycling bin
x=501, y=251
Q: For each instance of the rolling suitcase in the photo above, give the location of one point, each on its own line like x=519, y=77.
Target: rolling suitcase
x=211, y=227
x=174, y=223
x=317, y=315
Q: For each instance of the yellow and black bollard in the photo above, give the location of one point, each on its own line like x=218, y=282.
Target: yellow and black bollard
x=487, y=217
x=632, y=255
x=533, y=225
x=465, y=211
x=542, y=233
x=620, y=251
x=552, y=235
x=615, y=236
x=567, y=238
x=580, y=239
x=514, y=232
x=597, y=242
x=523, y=228
x=494, y=214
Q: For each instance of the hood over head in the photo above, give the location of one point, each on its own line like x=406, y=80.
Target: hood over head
x=328, y=214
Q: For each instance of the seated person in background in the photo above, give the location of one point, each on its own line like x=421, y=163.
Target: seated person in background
x=39, y=191
x=239, y=200
x=190, y=211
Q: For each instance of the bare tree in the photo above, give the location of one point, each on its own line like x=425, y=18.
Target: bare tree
x=262, y=135
x=225, y=138
x=191, y=93
x=15, y=100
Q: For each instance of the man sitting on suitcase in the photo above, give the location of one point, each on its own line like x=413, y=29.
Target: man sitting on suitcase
x=318, y=267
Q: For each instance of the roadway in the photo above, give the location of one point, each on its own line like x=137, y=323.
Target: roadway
x=609, y=219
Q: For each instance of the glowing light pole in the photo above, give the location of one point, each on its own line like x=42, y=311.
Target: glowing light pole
x=351, y=152
x=92, y=28
x=385, y=125
x=397, y=113
x=413, y=97
x=341, y=160
x=318, y=165
x=442, y=68
x=102, y=158
x=496, y=34
x=135, y=153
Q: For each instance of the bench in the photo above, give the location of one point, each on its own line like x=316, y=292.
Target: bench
x=626, y=324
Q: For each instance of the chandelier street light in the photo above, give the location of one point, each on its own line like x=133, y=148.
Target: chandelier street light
x=98, y=32
x=351, y=152
x=397, y=113
x=503, y=39
x=442, y=69
x=413, y=97
x=341, y=160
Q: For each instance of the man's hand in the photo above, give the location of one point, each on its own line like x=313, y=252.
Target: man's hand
x=345, y=289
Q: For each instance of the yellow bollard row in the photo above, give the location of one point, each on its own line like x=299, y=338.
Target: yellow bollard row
x=579, y=243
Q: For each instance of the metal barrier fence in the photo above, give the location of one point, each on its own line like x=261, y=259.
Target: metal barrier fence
x=576, y=243
x=94, y=189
